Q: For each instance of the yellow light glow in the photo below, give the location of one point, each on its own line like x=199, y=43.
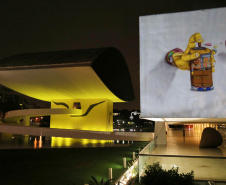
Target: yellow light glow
x=128, y=174
x=35, y=143
x=56, y=83
x=69, y=142
x=97, y=119
x=198, y=129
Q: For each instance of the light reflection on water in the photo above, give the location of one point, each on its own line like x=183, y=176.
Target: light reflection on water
x=70, y=142
x=15, y=141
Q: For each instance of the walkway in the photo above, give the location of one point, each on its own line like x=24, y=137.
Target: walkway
x=184, y=152
x=71, y=133
x=188, y=145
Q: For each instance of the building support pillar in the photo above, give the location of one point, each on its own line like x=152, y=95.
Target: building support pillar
x=160, y=133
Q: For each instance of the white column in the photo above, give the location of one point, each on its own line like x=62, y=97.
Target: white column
x=124, y=162
x=134, y=157
x=110, y=174
x=160, y=133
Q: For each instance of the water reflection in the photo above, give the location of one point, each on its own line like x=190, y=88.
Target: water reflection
x=122, y=142
x=72, y=142
x=9, y=141
x=38, y=142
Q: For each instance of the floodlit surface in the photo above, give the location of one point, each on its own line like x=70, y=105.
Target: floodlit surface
x=184, y=152
x=166, y=90
x=57, y=83
x=178, y=145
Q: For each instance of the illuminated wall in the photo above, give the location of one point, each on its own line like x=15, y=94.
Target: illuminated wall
x=97, y=115
x=166, y=90
x=86, y=79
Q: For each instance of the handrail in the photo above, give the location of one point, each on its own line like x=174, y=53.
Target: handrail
x=185, y=156
x=211, y=183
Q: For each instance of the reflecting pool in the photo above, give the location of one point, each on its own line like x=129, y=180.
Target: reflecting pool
x=15, y=141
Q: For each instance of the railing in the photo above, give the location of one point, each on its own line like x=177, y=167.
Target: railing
x=132, y=170
x=146, y=151
x=204, y=167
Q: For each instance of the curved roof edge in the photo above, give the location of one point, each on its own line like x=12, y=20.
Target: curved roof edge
x=112, y=69
x=108, y=63
x=79, y=57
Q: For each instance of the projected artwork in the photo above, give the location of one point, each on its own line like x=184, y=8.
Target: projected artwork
x=183, y=64
x=199, y=60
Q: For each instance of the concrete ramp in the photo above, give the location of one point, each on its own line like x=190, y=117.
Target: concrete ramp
x=69, y=133
x=16, y=115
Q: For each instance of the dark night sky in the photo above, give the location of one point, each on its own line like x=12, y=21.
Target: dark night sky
x=50, y=25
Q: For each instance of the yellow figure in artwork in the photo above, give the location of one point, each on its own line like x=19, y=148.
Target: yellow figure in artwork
x=199, y=60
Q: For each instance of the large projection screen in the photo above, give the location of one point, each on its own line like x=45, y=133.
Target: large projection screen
x=166, y=90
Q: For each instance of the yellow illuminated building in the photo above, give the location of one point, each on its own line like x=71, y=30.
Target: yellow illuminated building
x=80, y=84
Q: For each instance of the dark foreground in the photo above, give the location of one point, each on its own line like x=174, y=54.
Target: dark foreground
x=68, y=166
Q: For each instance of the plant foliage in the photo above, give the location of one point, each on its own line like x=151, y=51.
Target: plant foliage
x=155, y=175
x=95, y=182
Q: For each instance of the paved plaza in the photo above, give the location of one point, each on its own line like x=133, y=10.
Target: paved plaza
x=184, y=152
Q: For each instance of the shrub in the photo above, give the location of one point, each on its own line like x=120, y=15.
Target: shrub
x=95, y=182
x=155, y=175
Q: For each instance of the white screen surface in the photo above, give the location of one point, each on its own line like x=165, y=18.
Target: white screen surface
x=166, y=90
